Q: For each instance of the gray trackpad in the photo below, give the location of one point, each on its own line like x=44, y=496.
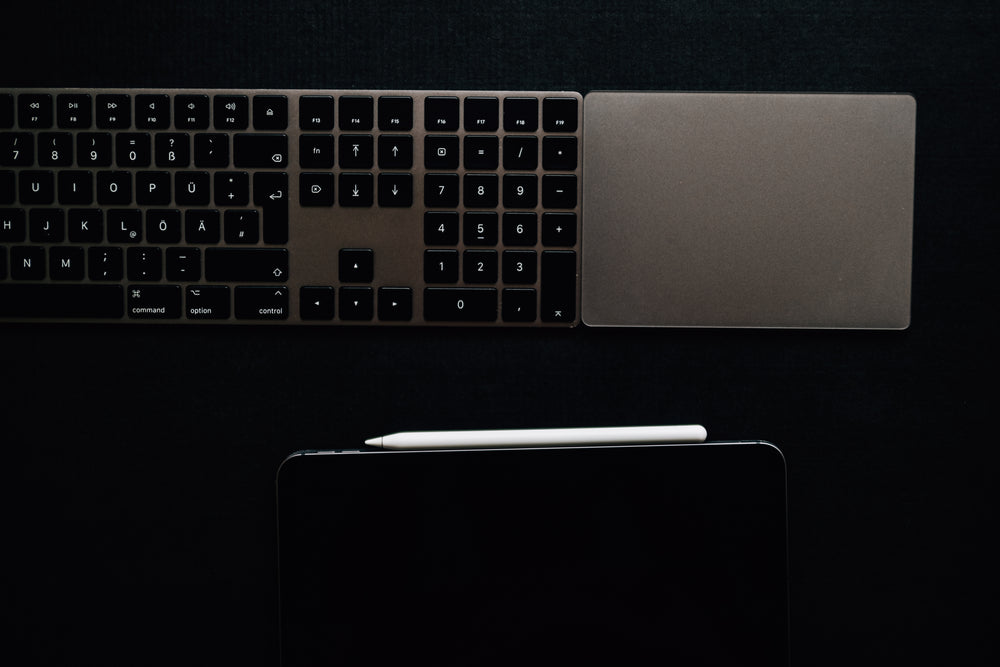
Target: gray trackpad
x=747, y=210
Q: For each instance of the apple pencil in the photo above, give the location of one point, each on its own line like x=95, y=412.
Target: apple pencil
x=541, y=437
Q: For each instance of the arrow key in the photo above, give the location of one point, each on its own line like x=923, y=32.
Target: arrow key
x=356, y=303
x=395, y=304
x=395, y=151
x=356, y=189
x=316, y=303
x=395, y=189
x=357, y=265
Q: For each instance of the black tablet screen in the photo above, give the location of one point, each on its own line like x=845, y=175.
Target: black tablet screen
x=662, y=555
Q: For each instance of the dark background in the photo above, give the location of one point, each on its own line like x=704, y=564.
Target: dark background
x=139, y=461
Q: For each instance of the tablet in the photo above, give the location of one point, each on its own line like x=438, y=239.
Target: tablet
x=630, y=555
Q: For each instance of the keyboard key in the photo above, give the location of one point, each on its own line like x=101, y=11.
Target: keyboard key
x=232, y=188
x=520, y=153
x=356, y=189
x=482, y=153
x=172, y=150
x=441, y=228
x=395, y=151
x=66, y=263
x=17, y=149
x=558, y=286
x=261, y=303
x=192, y=188
x=93, y=149
x=479, y=266
x=12, y=227
x=270, y=193
x=520, y=229
x=559, y=114
x=145, y=263
x=356, y=112
x=519, y=267
x=153, y=302
x=440, y=266
x=246, y=265
x=357, y=303
x=231, y=112
x=125, y=225
x=132, y=149
x=395, y=304
x=559, y=191
x=357, y=151
x=441, y=190
x=114, y=187
x=152, y=188
x=260, y=150
x=270, y=112
x=163, y=226
x=316, y=302
x=316, y=151
x=114, y=112
x=479, y=228
x=482, y=114
x=520, y=114
x=6, y=110
x=184, y=265
x=73, y=111
x=395, y=189
x=357, y=265
x=316, y=113
x=520, y=190
x=69, y=301
x=37, y=187
x=441, y=152
x=3, y=260
x=242, y=227
x=559, y=153
x=460, y=304
x=518, y=304
x=76, y=188
x=46, y=225
x=191, y=112
x=440, y=114
x=201, y=226
x=559, y=229
x=85, y=225
x=152, y=112
x=55, y=149
x=7, y=191
x=480, y=190
x=211, y=150
x=316, y=189
x=395, y=114
x=206, y=302
x=27, y=262
x=34, y=110
x=105, y=263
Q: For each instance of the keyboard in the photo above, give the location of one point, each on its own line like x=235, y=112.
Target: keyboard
x=335, y=207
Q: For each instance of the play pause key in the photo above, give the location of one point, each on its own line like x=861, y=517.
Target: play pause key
x=316, y=303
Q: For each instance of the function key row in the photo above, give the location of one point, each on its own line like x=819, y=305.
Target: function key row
x=152, y=112
x=270, y=112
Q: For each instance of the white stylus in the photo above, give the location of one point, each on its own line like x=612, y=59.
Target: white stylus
x=541, y=437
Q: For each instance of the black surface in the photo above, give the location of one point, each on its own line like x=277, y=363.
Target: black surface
x=573, y=556
x=140, y=460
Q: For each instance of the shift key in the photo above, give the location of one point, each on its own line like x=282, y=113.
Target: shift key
x=262, y=265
